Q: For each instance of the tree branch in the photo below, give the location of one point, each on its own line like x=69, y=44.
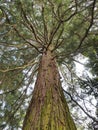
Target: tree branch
x=88, y=29
x=30, y=24
x=93, y=118
x=21, y=36
x=45, y=26
x=19, y=67
x=60, y=22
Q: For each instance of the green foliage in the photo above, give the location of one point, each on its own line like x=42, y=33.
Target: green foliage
x=27, y=29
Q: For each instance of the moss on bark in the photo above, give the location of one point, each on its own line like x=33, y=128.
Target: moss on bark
x=48, y=109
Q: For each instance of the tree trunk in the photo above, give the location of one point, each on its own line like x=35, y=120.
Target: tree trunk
x=48, y=109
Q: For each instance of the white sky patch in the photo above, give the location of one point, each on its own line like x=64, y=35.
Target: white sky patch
x=80, y=63
x=79, y=68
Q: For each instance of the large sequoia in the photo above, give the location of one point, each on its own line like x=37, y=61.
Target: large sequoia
x=48, y=109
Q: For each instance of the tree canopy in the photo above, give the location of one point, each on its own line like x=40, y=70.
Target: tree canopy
x=28, y=28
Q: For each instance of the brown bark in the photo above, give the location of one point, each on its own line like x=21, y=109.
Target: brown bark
x=48, y=109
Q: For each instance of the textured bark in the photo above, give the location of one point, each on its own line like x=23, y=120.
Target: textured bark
x=48, y=109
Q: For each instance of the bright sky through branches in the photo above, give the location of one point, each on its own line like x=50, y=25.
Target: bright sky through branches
x=81, y=69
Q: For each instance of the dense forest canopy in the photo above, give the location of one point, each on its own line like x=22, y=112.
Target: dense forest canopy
x=69, y=28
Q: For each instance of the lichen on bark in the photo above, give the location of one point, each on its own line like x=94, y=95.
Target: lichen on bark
x=48, y=109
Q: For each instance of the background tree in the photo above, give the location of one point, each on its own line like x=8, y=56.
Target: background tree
x=28, y=28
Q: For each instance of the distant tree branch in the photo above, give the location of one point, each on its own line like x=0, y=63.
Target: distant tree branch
x=55, y=29
x=19, y=67
x=21, y=36
x=19, y=101
x=88, y=29
x=29, y=24
x=38, y=39
x=17, y=87
x=60, y=21
x=91, y=117
x=59, y=43
x=53, y=11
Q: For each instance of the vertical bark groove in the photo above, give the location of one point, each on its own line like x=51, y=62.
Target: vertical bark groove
x=48, y=109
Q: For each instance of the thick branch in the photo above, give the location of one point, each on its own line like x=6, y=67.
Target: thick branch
x=45, y=26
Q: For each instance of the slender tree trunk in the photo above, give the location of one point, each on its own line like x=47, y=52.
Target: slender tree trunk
x=48, y=109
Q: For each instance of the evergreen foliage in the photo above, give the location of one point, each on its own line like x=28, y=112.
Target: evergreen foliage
x=29, y=27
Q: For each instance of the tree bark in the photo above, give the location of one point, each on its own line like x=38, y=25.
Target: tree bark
x=48, y=109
